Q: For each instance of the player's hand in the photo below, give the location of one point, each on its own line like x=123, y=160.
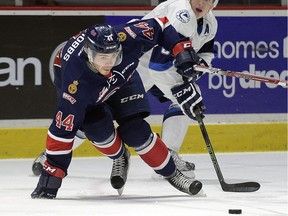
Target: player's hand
x=47, y=186
x=189, y=97
x=185, y=57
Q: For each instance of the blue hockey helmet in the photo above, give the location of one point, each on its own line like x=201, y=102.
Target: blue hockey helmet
x=102, y=39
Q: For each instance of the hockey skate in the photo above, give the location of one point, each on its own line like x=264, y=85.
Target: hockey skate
x=38, y=163
x=184, y=183
x=181, y=164
x=185, y=167
x=120, y=171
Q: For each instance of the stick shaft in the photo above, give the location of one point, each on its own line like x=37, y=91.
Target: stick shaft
x=209, y=147
x=258, y=78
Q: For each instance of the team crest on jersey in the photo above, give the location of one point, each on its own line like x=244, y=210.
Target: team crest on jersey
x=122, y=36
x=183, y=16
x=72, y=88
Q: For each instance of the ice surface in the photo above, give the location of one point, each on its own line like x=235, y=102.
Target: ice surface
x=87, y=190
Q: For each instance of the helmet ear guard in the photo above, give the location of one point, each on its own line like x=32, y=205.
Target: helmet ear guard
x=89, y=54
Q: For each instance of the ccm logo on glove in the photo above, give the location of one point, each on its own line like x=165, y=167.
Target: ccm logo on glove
x=189, y=97
x=185, y=58
x=54, y=171
x=183, y=91
x=181, y=46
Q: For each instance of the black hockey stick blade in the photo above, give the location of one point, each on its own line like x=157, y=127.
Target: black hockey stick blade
x=240, y=187
x=237, y=187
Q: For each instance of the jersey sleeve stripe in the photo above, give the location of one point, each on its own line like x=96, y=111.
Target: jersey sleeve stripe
x=163, y=22
x=56, y=145
x=59, y=138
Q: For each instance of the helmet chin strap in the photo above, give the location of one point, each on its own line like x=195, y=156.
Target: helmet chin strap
x=89, y=63
x=93, y=68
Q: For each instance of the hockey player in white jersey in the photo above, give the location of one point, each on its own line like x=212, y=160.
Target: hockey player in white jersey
x=193, y=19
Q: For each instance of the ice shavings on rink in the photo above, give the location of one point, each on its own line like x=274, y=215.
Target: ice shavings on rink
x=87, y=190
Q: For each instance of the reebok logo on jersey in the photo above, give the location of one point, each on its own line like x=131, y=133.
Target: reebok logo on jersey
x=183, y=16
x=69, y=98
x=130, y=32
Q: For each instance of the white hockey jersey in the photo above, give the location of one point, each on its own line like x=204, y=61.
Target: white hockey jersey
x=183, y=19
x=156, y=66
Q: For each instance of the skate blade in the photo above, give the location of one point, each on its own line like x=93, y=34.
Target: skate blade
x=200, y=194
x=120, y=191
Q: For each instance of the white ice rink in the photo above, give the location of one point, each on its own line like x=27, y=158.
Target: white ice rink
x=87, y=191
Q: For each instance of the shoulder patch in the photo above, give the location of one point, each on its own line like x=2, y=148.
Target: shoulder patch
x=183, y=16
x=122, y=36
x=72, y=88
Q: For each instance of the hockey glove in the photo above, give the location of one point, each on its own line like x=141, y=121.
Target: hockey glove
x=189, y=97
x=47, y=187
x=185, y=57
x=49, y=182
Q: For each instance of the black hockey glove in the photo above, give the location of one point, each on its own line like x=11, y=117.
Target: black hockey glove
x=188, y=96
x=185, y=57
x=47, y=186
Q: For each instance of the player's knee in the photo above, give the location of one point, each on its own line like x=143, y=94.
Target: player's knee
x=173, y=110
x=98, y=126
x=135, y=132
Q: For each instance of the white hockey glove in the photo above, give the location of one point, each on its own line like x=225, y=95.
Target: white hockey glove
x=185, y=57
x=189, y=97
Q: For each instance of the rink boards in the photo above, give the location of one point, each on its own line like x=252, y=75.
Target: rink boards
x=247, y=137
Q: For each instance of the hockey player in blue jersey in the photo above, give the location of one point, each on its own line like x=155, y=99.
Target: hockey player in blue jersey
x=190, y=18
x=97, y=82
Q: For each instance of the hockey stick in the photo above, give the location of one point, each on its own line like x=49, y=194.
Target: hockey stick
x=240, y=75
x=237, y=187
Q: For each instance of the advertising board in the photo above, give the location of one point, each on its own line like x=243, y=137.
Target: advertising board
x=256, y=45
x=251, y=44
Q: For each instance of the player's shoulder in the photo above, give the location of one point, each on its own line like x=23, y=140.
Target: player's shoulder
x=181, y=17
x=174, y=10
x=176, y=4
x=178, y=10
